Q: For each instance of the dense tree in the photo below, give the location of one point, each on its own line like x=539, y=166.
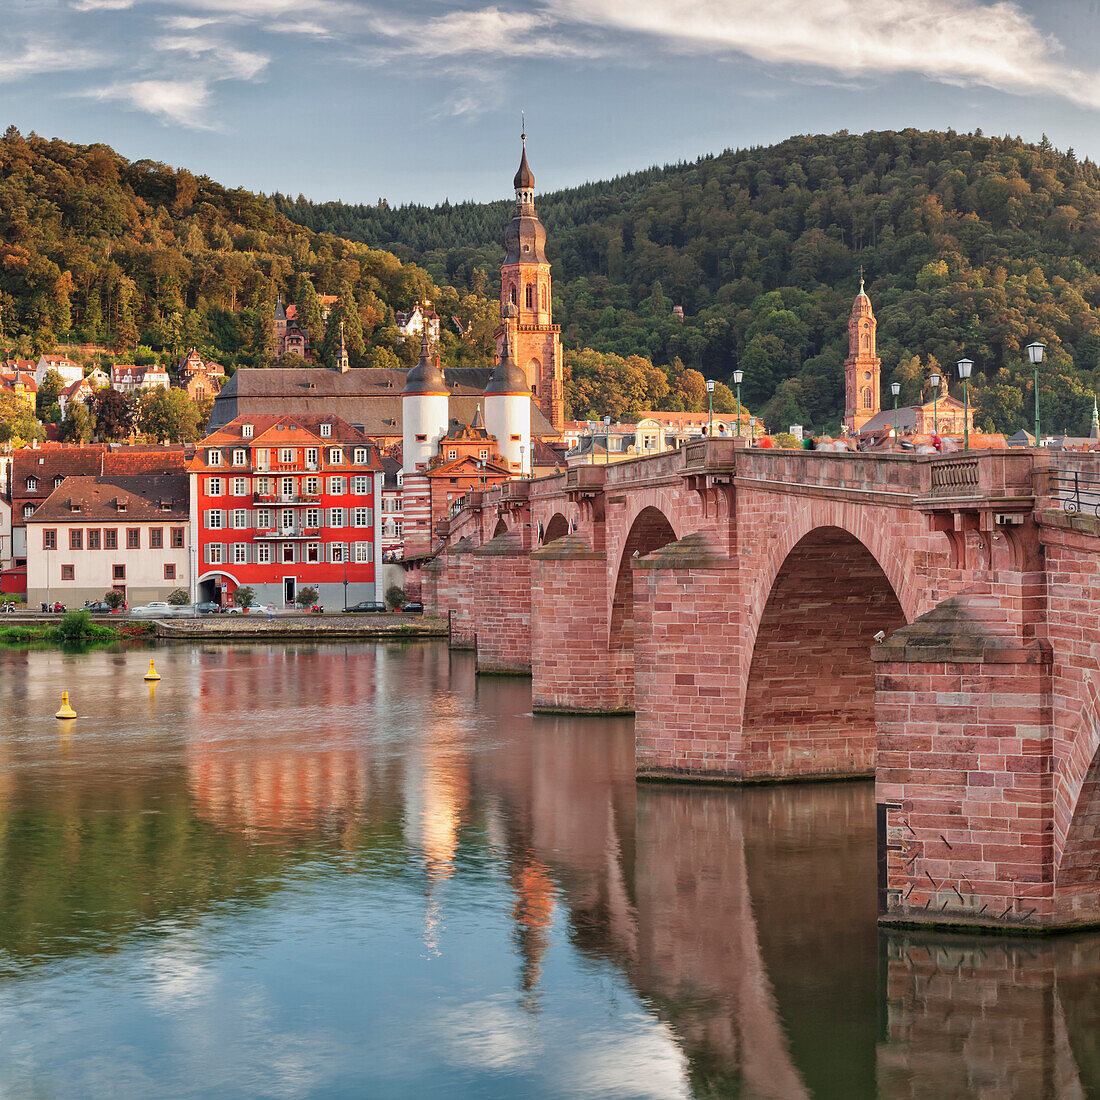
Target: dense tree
x=112, y=413
x=77, y=425
x=46, y=400
x=168, y=416
x=17, y=422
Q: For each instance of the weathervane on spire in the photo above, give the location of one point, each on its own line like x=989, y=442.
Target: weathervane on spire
x=861, y=278
x=523, y=126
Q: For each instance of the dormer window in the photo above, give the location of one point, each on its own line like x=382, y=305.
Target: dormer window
x=57, y=482
x=336, y=455
x=240, y=457
x=213, y=458
x=360, y=454
x=32, y=485
x=120, y=505
x=326, y=431
x=246, y=431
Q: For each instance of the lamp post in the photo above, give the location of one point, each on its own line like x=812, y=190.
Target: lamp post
x=1035, y=354
x=710, y=407
x=606, y=440
x=752, y=431
x=737, y=376
x=522, y=468
x=347, y=554
x=965, y=367
x=934, y=382
x=895, y=389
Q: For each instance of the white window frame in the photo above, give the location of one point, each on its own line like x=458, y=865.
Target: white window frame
x=361, y=517
x=263, y=553
x=336, y=553
x=326, y=431
x=239, y=519
x=246, y=431
x=360, y=485
x=240, y=553
x=313, y=486
x=263, y=518
x=362, y=552
x=213, y=457
x=362, y=454
x=336, y=517
x=240, y=486
x=240, y=457
x=286, y=455
x=213, y=486
x=313, y=517
x=337, y=486
x=215, y=554
x=336, y=456
x=215, y=519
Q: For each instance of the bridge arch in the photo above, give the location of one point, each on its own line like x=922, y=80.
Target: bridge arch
x=501, y=528
x=809, y=690
x=558, y=527
x=650, y=530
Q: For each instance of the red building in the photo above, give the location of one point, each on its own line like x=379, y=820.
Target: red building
x=281, y=503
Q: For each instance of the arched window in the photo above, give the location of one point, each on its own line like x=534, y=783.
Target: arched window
x=530, y=296
x=542, y=293
x=512, y=295
x=865, y=341
x=867, y=398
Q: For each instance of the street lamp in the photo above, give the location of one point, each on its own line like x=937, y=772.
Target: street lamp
x=710, y=406
x=606, y=440
x=737, y=376
x=521, y=466
x=934, y=382
x=752, y=429
x=895, y=389
x=1035, y=354
x=965, y=367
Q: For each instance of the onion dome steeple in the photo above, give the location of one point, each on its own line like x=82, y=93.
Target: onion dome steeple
x=508, y=376
x=427, y=375
x=525, y=238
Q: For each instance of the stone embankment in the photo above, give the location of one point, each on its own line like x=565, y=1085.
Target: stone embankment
x=240, y=627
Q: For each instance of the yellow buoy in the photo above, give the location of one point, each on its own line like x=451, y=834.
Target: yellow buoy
x=152, y=674
x=66, y=711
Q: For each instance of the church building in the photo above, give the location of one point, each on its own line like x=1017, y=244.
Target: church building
x=525, y=285
x=863, y=410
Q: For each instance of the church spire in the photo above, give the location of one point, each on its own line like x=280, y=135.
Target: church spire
x=342, y=364
x=1094, y=433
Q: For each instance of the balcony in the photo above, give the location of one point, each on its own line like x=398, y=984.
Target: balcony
x=274, y=500
x=294, y=532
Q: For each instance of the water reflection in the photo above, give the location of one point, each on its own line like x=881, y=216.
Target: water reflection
x=360, y=871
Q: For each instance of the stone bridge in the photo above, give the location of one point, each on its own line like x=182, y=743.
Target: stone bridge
x=783, y=615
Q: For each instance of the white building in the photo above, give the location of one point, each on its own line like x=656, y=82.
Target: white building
x=75, y=391
x=417, y=319
x=69, y=371
x=126, y=532
x=126, y=378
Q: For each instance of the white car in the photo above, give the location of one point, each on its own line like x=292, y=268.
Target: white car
x=158, y=609
x=255, y=609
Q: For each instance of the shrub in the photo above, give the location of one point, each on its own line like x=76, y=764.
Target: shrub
x=395, y=595
x=114, y=599
x=179, y=596
x=307, y=597
x=77, y=626
x=245, y=596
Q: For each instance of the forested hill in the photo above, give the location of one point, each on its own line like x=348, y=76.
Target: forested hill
x=971, y=245
x=151, y=260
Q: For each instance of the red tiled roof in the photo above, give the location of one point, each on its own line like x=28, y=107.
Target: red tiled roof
x=171, y=459
x=98, y=498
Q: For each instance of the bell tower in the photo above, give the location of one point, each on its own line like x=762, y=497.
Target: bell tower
x=525, y=286
x=862, y=368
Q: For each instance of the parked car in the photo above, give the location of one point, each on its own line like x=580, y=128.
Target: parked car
x=158, y=609
x=255, y=609
x=98, y=607
x=365, y=605
x=415, y=607
x=207, y=608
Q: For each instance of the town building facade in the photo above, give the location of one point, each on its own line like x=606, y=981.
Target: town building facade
x=69, y=370
x=93, y=534
x=281, y=504
x=127, y=378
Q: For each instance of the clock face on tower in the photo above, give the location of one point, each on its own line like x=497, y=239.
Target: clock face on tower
x=867, y=375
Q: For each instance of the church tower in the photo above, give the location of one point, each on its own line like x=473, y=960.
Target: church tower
x=862, y=368
x=525, y=284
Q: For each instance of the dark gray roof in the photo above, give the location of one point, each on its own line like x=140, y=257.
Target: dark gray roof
x=366, y=396
x=907, y=419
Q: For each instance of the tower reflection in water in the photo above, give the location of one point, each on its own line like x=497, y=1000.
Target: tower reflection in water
x=743, y=919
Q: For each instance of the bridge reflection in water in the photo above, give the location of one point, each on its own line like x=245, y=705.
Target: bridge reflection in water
x=743, y=920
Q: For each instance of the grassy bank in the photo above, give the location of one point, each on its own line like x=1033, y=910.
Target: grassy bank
x=75, y=628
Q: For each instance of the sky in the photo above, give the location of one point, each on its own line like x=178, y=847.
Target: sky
x=421, y=100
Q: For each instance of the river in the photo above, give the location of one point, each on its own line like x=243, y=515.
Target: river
x=362, y=871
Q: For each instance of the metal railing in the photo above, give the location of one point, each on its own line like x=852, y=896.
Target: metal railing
x=1075, y=492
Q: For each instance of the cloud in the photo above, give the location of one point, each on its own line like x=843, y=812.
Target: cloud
x=41, y=56
x=959, y=42
x=488, y=31
x=230, y=63
x=183, y=102
x=102, y=5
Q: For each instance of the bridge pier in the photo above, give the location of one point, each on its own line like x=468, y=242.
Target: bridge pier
x=501, y=587
x=964, y=779
x=571, y=668
x=460, y=595
x=689, y=626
